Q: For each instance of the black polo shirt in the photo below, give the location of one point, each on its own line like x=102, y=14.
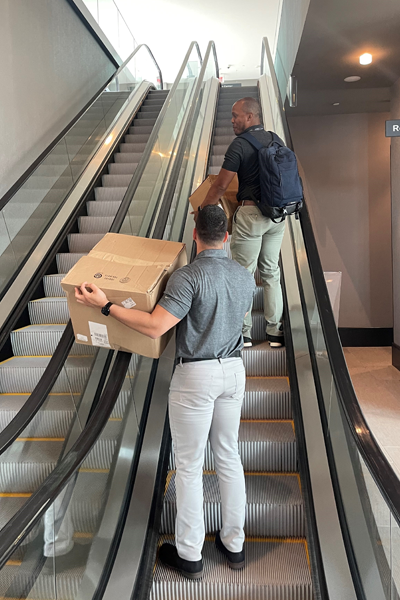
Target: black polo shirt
x=242, y=158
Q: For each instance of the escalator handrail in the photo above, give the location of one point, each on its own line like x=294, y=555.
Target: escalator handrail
x=371, y=452
x=190, y=122
x=48, y=379
x=19, y=526
x=22, y=180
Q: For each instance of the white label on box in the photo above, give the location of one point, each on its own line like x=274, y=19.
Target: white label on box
x=128, y=303
x=99, y=335
x=81, y=338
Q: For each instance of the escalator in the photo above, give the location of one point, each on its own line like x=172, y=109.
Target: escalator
x=317, y=482
x=275, y=546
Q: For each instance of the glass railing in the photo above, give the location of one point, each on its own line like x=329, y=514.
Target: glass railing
x=111, y=21
x=366, y=488
x=156, y=172
x=27, y=214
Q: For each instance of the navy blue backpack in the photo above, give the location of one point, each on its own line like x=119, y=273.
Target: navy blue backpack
x=280, y=183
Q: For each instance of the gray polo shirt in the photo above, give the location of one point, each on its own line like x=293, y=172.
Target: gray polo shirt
x=211, y=297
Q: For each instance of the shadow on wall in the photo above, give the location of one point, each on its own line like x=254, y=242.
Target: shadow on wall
x=346, y=162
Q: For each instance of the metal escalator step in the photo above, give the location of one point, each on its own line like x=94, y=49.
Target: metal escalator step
x=137, y=146
x=52, y=285
x=25, y=465
x=224, y=131
x=267, y=399
x=223, y=122
x=141, y=123
x=66, y=260
x=53, y=419
x=42, y=340
x=95, y=224
x=152, y=106
x=258, y=329
x=83, y=242
x=48, y=311
x=223, y=141
x=109, y=194
x=136, y=138
x=146, y=116
x=258, y=300
x=102, y=209
x=101, y=455
x=263, y=447
x=20, y=374
x=275, y=570
x=263, y=361
x=88, y=500
x=217, y=160
x=219, y=150
x=121, y=181
x=122, y=168
x=274, y=506
x=214, y=170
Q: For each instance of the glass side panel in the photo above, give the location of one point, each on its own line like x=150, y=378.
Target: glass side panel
x=111, y=21
x=26, y=216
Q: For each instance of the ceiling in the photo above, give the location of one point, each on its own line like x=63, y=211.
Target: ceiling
x=168, y=27
x=336, y=33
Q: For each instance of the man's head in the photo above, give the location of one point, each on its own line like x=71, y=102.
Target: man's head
x=211, y=227
x=245, y=113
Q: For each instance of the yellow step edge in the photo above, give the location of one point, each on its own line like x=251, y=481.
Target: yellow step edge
x=13, y=563
x=40, y=439
x=15, y=494
x=45, y=356
x=39, y=299
x=266, y=420
x=249, y=538
x=115, y=419
x=38, y=325
x=94, y=470
x=30, y=393
x=82, y=535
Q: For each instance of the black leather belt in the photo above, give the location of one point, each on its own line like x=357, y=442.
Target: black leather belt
x=236, y=354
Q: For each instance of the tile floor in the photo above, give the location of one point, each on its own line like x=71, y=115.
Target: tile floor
x=377, y=385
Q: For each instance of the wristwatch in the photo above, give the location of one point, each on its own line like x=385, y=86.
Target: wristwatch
x=106, y=309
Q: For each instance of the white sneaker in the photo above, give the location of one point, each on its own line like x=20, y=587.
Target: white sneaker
x=247, y=342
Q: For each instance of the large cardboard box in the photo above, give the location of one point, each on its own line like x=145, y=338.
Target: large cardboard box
x=133, y=273
x=228, y=201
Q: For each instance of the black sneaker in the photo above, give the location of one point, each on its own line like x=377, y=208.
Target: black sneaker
x=276, y=341
x=192, y=569
x=235, y=559
x=247, y=342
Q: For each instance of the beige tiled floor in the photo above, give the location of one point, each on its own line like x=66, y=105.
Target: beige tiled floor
x=377, y=385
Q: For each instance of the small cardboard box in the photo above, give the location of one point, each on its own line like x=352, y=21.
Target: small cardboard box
x=133, y=273
x=228, y=201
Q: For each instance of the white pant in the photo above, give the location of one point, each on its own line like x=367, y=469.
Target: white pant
x=205, y=400
x=58, y=528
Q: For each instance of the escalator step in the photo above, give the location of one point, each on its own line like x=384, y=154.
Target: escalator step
x=52, y=285
x=132, y=137
x=116, y=181
x=52, y=311
x=25, y=465
x=149, y=122
x=136, y=147
x=123, y=168
x=147, y=116
x=42, y=340
x=83, y=242
x=95, y=224
x=258, y=330
x=53, y=419
x=102, y=209
x=267, y=399
x=263, y=361
x=263, y=447
x=274, y=570
x=109, y=194
x=20, y=374
x=274, y=506
x=258, y=301
x=66, y=260
x=223, y=141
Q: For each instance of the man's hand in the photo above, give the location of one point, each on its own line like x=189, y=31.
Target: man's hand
x=90, y=295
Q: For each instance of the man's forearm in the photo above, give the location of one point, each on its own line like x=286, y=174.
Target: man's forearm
x=135, y=319
x=214, y=195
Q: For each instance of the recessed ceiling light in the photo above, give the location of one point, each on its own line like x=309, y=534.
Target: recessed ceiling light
x=352, y=78
x=366, y=59
x=336, y=104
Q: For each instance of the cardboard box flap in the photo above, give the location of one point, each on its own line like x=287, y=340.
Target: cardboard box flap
x=201, y=192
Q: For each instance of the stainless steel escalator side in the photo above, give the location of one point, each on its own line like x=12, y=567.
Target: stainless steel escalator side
x=365, y=487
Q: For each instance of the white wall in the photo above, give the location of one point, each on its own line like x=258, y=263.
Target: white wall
x=346, y=161
x=51, y=66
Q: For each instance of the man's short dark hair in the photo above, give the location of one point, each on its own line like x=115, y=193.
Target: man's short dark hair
x=251, y=105
x=211, y=224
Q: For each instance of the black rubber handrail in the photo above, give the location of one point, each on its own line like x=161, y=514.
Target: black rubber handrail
x=49, y=377
x=19, y=526
x=36, y=163
x=377, y=463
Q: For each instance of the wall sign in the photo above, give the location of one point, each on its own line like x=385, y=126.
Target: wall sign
x=393, y=128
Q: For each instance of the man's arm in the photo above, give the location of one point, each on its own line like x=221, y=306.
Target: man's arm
x=153, y=324
x=219, y=187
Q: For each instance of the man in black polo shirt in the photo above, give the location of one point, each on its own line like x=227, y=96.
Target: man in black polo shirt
x=256, y=240
x=207, y=301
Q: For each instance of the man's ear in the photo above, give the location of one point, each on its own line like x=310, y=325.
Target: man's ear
x=195, y=234
x=226, y=237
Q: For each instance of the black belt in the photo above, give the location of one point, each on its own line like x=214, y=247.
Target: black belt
x=236, y=354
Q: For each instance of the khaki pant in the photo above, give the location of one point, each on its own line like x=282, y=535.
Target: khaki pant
x=256, y=242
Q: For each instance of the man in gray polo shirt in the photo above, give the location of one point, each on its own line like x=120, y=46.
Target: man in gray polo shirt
x=207, y=301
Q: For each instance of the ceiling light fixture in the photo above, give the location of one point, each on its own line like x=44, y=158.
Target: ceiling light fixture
x=352, y=78
x=366, y=59
x=336, y=104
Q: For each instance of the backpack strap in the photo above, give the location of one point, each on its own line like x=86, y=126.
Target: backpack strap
x=252, y=140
